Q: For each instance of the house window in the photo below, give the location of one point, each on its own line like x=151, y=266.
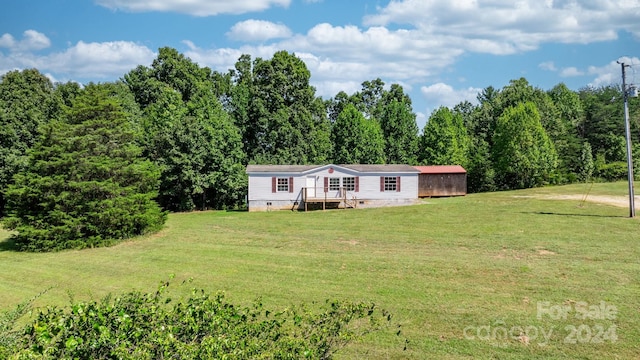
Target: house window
x=349, y=183
x=334, y=184
x=390, y=183
x=283, y=184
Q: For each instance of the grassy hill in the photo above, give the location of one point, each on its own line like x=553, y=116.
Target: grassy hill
x=482, y=276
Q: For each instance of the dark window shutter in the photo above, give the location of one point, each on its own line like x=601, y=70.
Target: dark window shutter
x=274, y=183
x=381, y=183
x=326, y=184
x=398, y=183
x=357, y=185
x=290, y=184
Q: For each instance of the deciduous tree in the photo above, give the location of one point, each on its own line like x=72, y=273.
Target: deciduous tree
x=188, y=133
x=284, y=122
x=356, y=139
x=523, y=154
x=444, y=139
x=399, y=128
x=568, y=144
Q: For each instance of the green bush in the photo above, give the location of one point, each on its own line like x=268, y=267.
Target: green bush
x=612, y=171
x=9, y=335
x=202, y=326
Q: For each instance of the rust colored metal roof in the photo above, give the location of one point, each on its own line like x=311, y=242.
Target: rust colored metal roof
x=441, y=169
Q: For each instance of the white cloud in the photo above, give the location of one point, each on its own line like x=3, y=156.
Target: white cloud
x=7, y=41
x=342, y=57
x=335, y=71
x=217, y=59
x=328, y=89
x=258, y=30
x=34, y=40
x=390, y=54
x=31, y=41
x=194, y=7
x=52, y=78
x=82, y=60
x=190, y=44
x=102, y=60
x=446, y=95
x=328, y=77
x=571, y=72
x=611, y=73
x=506, y=27
x=548, y=66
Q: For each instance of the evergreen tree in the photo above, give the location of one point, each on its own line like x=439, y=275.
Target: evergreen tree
x=26, y=103
x=481, y=122
x=480, y=172
x=85, y=184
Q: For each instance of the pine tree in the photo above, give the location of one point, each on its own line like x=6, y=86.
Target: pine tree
x=26, y=102
x=85, y=184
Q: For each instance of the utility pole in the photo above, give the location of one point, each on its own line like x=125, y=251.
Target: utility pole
x=632, y=208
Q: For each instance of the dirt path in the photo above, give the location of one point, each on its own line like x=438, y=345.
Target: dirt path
x=620, y=201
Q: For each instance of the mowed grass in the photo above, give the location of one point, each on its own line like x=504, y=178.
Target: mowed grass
x=464, y=277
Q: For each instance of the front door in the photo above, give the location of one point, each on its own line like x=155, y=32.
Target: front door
x=311, y=187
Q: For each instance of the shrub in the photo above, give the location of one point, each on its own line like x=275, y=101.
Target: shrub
x=612, y=171
x=9, y=335
x=202, y=326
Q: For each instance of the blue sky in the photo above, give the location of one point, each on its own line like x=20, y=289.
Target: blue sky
x=441, y=52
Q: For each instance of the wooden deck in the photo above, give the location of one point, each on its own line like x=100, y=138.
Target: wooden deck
x=325, y=199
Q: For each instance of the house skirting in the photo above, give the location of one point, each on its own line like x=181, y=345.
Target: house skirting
x=272, y=205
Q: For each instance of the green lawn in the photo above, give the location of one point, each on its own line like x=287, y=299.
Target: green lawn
x=459, y=274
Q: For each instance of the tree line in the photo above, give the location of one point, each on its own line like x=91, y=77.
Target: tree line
x=175, y=136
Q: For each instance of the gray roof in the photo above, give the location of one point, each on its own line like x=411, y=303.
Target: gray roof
x=381, y=168
x=280, y=168
x=365, y=168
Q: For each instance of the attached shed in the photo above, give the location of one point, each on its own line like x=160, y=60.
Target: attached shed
x=442, y=180
x=300, y=187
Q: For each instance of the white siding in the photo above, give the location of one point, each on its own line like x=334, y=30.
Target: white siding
x=262, y=198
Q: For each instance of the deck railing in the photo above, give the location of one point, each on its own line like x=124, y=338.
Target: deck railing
x=339, y=197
